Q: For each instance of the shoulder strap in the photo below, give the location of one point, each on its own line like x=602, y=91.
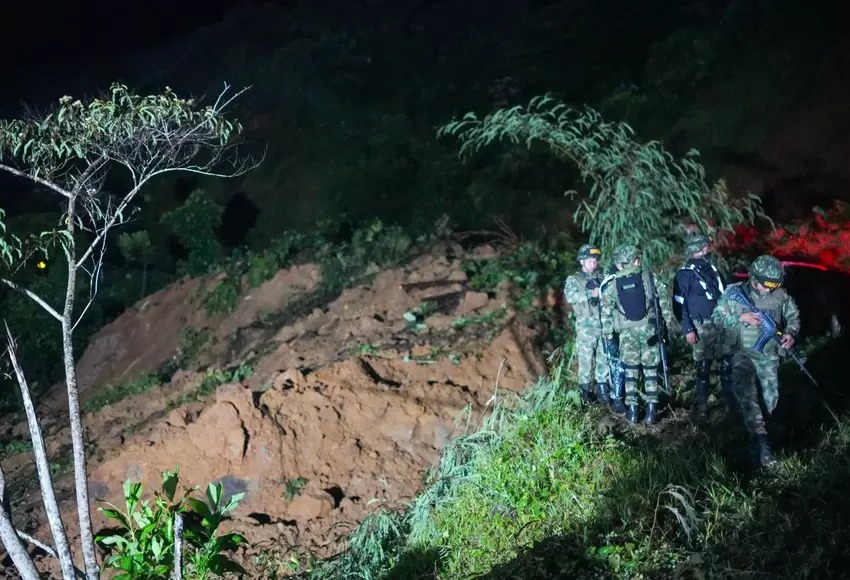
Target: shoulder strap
x=649, y=284
x=607, y=279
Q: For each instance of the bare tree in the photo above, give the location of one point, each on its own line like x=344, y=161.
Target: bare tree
x=71, y=151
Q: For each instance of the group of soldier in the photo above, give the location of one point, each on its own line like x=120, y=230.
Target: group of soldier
x=620, y=329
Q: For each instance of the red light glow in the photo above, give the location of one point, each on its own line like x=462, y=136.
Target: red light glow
x=822, y=242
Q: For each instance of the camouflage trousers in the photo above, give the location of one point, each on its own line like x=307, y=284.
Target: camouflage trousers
x=591, y=356
x=756, y=381
x=712, y=344
x=639, y=352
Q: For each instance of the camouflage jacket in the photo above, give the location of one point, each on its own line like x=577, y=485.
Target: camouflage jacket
x=612, y=312
x=778, y=304
x=578, y=296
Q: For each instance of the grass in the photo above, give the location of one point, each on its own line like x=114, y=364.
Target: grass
x=115, y=393
x=541, y=488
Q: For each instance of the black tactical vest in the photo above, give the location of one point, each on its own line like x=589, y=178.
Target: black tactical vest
x=632, y=296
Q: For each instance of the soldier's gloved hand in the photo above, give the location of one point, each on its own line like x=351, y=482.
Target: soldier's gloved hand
x=593, y=301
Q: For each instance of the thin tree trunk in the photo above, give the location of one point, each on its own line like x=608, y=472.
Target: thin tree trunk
x=14, y=547
x=63, y=548
x=178, y=547
x=77, y=434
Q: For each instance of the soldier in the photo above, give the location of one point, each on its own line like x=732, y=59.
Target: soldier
x=628, y=308
x=581, y=290
x=696, y=290
x=755, y=375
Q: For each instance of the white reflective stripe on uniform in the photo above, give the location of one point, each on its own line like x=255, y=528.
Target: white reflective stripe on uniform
x=679, y=299
x=718, y=279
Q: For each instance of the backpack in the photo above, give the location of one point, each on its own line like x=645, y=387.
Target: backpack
x=631, y=295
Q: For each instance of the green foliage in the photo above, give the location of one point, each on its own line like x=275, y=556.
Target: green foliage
x=213, y=379
x=69, y=151
x=77, y=131
x=194, y=224
x=142, y=545
x=192, y=343
x=113, y=394
x=534, y=268
x=15, y=447
x=374, y=245
x=638, y=192
x=263, y=265
x=292, y=489
x=224, y=298
x=542, y=488
x=10, y=249
x=137, y=247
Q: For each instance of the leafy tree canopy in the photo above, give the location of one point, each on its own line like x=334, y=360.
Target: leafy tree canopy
x=639, y=193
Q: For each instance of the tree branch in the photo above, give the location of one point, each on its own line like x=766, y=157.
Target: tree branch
x=16, y=550
x=50, y=551
x=34, y=297
x=90, y=171
x=48, y=493
x=41, y=181
x=110, y=223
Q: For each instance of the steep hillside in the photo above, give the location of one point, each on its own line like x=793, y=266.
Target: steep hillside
x=312, y=407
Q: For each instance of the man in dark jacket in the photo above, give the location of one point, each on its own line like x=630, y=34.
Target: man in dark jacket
x=696, y=290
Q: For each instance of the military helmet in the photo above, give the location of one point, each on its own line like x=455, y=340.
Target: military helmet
x=626, y=254
x=588, y=251
x=695, y=243
x=767, y=271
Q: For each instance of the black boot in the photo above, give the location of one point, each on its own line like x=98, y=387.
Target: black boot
x=632, y=414
x=650, y=413
x=617, y=406
x=586, y=394
x=725, y=368
x=618, y=387
x=701, y=390
x=602, y=394
x=761, y=450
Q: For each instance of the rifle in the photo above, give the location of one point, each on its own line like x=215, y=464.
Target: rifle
x=661, y=332
x=609, y=347
x=769, y=330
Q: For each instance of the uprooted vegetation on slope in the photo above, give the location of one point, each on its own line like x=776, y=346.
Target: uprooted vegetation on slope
x=544, y=489
x=314, y=401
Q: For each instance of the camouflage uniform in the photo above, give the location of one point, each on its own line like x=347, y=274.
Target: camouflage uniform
x=639, y=343
x=578, y=292
x=755, y=375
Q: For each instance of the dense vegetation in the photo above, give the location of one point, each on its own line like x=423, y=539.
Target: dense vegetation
x=351, y=137
x=349, y=101
x=545, y=489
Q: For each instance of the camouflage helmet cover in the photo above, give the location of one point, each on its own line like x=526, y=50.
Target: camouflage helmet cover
x=696, y=242
x=767, y=271
x=626, y=254
x=588, y=251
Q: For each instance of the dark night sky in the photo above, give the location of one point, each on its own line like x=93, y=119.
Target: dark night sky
x=44, y=44
x=41, y=37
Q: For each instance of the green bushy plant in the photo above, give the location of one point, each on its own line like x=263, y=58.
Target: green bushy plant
x=142, y=546
x=137, y=247
x=194, y=224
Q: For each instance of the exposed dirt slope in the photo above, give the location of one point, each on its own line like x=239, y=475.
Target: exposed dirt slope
x=345, y=396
